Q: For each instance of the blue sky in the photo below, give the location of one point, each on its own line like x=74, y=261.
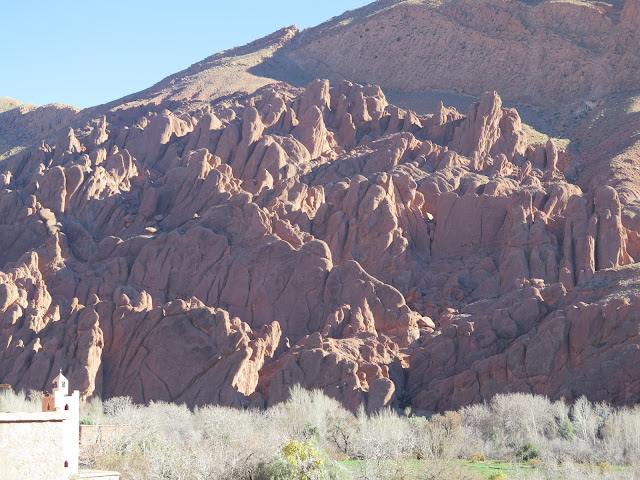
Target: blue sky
x=85, y=53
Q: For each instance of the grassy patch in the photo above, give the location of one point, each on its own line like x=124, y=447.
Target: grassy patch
x=465, y=469
x=479, y=470
x=493, y=466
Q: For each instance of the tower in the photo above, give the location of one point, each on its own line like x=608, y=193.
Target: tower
x=62, y=402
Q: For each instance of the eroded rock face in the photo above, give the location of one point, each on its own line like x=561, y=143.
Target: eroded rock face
x=320, y=237
x=490, y=129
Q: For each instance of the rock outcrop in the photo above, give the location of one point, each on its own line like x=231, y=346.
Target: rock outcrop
x=318, y=238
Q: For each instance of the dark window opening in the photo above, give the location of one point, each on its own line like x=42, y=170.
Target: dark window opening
x=66, y=407
x=48, y=406
x=66, y=464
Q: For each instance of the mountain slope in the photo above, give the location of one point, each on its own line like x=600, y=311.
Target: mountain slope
x=542, y=53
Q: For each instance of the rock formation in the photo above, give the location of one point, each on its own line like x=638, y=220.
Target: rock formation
x=202, y=248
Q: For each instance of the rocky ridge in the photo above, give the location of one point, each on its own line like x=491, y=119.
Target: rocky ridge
x=21, y=124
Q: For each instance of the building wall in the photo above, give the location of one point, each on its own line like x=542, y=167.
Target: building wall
x=71, y=430
x=31, y=449
x=68, y=405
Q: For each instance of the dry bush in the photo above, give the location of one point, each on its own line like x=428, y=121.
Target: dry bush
x=11, y=401
x=342, y=429
x=170, y=441
x=307, y=414
x=383, y=440
x=439, y=437
x=535, y=463
x=589, y=418
x=498, y=476
x=621, y=436
x=92, y=412
x=584, y=432
x=478, y=458
x=520, y=419
x=383, y=436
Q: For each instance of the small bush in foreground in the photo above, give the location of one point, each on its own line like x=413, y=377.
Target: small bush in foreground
x=536, y=463
x=478, y=458
x=276, y=469
x=497, y=476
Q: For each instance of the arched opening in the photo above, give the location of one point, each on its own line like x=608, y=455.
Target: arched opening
x=66, y=407
x=66, y=464
x=48, y=406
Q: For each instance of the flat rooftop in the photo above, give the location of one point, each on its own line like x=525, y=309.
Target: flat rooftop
x=98, y=474
x=30, y=417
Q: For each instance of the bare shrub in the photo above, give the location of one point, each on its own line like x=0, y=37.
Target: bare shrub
x=11, y=401
x=621, y=436
x=170, y=441
x=92, y=412
x=342, y=428
x=585, y=432
x=383, y=435
x=439, y=437
x=382, y=441
x=118, y=407
x=589, y=418
x=307, y=413
x=478, y=458
x=521, y=419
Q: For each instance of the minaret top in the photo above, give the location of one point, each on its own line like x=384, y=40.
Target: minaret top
x=60, y=383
